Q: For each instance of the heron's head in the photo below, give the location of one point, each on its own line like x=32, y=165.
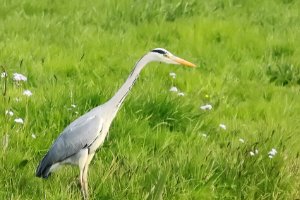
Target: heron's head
x=162, y=55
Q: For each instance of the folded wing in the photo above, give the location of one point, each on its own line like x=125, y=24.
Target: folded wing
x=80, y=134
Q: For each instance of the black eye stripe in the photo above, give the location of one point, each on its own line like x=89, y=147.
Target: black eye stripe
x=159, y=51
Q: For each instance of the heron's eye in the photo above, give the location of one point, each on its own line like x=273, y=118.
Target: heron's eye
x=166, y=55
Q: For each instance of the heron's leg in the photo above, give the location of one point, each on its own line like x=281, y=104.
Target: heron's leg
x=82, y=184
x=85, y=172
x=83, y=157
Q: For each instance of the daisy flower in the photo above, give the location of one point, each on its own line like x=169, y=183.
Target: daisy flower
x=19, y=120
x=222, y=126
x=19, y=77
x=3, y=74
x=172, y=74
x=173, y=89
x=9, y=112
x=206, y=107
x=242, y=140
x=27, y=93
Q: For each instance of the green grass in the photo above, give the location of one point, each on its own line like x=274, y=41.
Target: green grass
x=80, y=52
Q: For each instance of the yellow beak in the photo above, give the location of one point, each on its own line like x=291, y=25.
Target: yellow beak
x=183, y=62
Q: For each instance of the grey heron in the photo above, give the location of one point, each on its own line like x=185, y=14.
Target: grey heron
x=78, y=142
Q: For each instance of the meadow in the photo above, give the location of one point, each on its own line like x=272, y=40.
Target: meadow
x=76, y=54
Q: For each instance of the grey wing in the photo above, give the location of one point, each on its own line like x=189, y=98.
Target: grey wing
x=78, y=135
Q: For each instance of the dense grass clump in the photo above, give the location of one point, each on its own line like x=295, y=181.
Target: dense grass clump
x=284, y=74
x=76, y=54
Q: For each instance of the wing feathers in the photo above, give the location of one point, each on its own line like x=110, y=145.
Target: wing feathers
x=78, y=135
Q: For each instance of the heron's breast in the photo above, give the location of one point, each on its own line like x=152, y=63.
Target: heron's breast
x=99, y=140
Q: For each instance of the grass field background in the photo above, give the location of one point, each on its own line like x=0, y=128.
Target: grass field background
x=161, y=145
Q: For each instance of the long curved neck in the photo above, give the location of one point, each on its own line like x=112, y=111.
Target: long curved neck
x=117, y=100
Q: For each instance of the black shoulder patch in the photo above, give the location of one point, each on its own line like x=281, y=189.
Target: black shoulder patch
x=159, y=51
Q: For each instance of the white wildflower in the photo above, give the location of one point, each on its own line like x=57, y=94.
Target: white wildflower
x=180, y=94
x=9, y=112
x=270, y=156
x=73, y=106
x=173, y=89
x=172, y=74
x=33, y=135
x=19, y=120
x=27, y=93
x=206, y=107
x=204, y=135
x=256, y=151
x=242, y=140
x=222, y=126
x=252, y=153
x=19, y=77
x=3, y=74
x=273, y=152
x=76, y=112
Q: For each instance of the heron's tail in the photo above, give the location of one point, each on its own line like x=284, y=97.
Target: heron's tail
x=43, y=170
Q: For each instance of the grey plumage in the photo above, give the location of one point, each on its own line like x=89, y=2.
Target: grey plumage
x=71, y=141
x=79, y=141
